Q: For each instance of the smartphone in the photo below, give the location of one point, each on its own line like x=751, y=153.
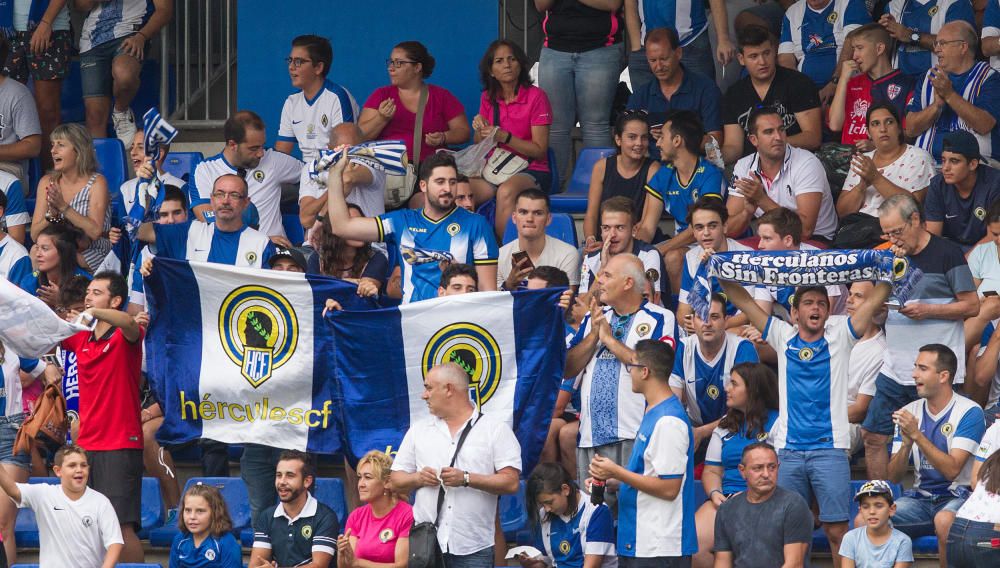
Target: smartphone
x=991, y=293
x=893, y=305
x=520, y=257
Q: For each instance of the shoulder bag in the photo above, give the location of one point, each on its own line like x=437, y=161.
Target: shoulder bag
x=399, y=189
x=502, y=164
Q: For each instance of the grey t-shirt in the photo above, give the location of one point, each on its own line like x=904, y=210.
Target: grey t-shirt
x=18, y=114
x=757, y=533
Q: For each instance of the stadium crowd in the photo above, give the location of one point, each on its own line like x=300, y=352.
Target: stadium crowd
x=880, y=118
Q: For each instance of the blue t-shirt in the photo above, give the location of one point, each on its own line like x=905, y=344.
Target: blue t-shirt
x=860, y=549
x=223, y=247
x=814, y=34
x=704, y=382
x=677, y=196
x=30, y=282
x=964, y=219
x=15, y=264
x=590, y=530
x=214, y=552
x=725, y=450
x=419, y=245
x=686, y=16
x=697, y=93
x=925, y=17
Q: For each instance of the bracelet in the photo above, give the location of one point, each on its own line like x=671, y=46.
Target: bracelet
x=714, y=491
x=139, y=32
x=509, y=136
x=465, y=479
x=63, y=210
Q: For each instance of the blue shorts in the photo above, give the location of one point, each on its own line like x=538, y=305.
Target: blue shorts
x=95, y=67
x=889, y=397
x=823, y=474
x=9, y=426
x=543, y=180
x=915, y=513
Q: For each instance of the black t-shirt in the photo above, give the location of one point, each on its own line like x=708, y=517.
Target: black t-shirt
x=573, y=27
x=791, y=92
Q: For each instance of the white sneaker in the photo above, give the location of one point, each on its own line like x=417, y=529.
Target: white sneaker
x=124, y=123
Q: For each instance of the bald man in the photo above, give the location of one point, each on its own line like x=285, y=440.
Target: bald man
x=487, y=464
x=958, y=93
x=610, y=412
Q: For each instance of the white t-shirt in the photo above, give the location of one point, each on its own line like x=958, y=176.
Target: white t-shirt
x=984, y=263
x=72, y=533
x=982, y=505
x=263, y=182
x=556, y=253
x=866, y=361
x=308, y=122
x=912, y=171
x=801, y=173
x=129, y=192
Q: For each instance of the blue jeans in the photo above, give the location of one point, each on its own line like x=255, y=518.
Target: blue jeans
x=257, y=467
x=963, y=539
x=823, y=474
x=915, y=513
x=579, y=85
x=991, y=414
x=696, y=56
x=481, y=559
x=9, y=425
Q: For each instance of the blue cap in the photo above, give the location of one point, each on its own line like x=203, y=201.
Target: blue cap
x=874, y=487
x=962, y=142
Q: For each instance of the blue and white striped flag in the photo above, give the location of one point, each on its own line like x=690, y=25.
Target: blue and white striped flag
x=156, y=132
x=511, y=344
x=241, y=355
x=388, y=155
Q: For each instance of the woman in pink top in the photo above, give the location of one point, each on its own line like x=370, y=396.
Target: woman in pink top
x=517, y=115
x=377, y=535
x=390, y=113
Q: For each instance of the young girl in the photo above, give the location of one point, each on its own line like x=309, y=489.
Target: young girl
x=206, y=539
x=575, y=533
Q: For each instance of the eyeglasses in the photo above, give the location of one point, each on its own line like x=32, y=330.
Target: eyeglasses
x=896, y=233
x=943, y=42
x=397, y=63
x=296, y=62
x=233, y=196
x=630, y=366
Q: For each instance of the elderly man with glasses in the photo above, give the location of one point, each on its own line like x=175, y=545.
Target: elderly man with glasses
x=934, y=313
x=958, y=93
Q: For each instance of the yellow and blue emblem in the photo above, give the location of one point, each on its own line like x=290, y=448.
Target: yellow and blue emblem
x=471, y=347
x=259, y=331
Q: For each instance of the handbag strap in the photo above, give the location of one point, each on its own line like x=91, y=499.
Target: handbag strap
x=458, y=448
x=496, y=114
x=418, y=126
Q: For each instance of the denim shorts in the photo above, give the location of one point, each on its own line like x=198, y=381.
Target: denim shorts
x=915, y=513
x=543, y=180
x=889, y=397
x=95, y=67
x=9, y=426
x=824, y=474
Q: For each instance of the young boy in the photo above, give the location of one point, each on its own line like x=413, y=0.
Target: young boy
x=874, y=542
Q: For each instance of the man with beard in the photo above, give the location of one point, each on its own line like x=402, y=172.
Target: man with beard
x=299, y=530
x=422, y=240
x=263, y=169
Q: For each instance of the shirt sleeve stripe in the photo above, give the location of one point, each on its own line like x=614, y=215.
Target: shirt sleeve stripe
x=653, y=192
x=485, y=261
x=381, y=229
x=325, y=549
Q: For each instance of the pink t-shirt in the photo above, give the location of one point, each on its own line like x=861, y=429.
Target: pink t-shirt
x=442, y=106
x=530, y=108
x=377, y=536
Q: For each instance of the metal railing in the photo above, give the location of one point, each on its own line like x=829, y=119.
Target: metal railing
x=198, y=68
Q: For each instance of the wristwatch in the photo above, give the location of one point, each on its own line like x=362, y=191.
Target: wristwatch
x=914, y=37
x=465, y=479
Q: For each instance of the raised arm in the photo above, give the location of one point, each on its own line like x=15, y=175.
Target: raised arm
x=344, y=226
x=861, y=321
x=740, y=298
x=121, y=320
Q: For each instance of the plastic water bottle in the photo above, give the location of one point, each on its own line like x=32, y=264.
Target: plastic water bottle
x=714, y=153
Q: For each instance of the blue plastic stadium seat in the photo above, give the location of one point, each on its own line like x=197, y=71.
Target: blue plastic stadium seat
x=234, y=493
x=562, y=227
x=182, y=164
x=293, y=228
x=26, y=527
x=575, y=198
x=151, y=514
x=112, y=162
x=514, y=514
x=329, y=491
x=34, y=175
x=925, y=545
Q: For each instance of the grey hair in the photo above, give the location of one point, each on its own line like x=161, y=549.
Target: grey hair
x=452, y=373
x=967, y=33
x=902, y=203
x=633, y=268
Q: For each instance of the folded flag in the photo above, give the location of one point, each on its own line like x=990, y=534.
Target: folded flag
x=806, y=268
x=511, y=344
x=156, y=132
x=28, y=327
x=241, y=355
x=388, y=155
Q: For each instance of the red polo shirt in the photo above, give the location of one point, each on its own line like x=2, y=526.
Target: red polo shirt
x=109, y=372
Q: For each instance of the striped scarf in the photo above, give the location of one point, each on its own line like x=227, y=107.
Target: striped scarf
x=978, y=75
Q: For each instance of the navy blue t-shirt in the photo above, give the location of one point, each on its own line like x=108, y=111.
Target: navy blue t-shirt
x=964, y=219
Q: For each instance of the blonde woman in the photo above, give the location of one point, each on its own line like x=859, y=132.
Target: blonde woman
x=377, y=535
x=74, y=193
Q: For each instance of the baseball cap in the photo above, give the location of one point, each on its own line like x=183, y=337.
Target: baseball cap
x=296, y=256
x=962, y=142
x=875, y=487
